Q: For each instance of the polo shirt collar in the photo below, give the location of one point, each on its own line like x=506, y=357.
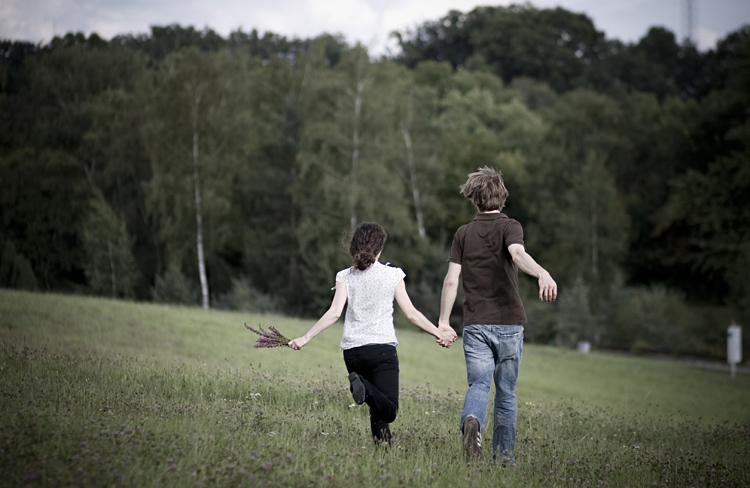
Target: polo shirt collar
x=490, y=216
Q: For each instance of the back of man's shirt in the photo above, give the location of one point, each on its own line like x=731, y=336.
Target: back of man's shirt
x=488, y=274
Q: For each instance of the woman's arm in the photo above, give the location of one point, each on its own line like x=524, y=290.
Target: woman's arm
x=445, y=337
x=328, y=318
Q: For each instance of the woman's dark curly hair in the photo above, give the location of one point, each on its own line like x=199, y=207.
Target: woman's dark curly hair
x=367, y=242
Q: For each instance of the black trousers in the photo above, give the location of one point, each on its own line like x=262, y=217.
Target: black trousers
x=377, y=364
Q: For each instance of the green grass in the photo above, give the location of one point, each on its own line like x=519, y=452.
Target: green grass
x=109, y=393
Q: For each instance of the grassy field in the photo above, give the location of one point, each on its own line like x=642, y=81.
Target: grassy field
x=109, y=393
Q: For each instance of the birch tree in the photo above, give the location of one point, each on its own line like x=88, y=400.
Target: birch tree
x=347, y=176
x=342, y=134
x=419, y=168
x=360, y=79
x=194, y=138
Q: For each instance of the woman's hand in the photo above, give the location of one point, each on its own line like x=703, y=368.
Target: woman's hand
x=298, y=343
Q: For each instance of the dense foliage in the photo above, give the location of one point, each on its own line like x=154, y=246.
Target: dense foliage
x=184, y=166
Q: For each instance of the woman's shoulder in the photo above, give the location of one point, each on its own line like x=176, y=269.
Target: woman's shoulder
x=394, y=270
x=341, y=274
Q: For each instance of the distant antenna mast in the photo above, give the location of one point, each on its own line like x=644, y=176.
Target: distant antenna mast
x=690, y=21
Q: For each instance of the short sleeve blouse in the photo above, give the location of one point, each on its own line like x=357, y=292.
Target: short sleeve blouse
x=369, y=310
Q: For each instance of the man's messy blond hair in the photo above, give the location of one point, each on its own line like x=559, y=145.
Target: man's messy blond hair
x=486, y=190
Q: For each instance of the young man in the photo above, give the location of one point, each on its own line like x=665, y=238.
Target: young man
x=486, y=254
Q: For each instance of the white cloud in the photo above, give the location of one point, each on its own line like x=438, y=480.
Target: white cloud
x=706, y=38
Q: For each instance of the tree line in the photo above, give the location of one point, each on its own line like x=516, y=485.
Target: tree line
x=182, y=166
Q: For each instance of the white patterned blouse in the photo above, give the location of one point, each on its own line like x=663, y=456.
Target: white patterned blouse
x=369, y=309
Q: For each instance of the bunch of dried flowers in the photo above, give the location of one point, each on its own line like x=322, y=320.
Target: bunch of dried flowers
x=269, y=338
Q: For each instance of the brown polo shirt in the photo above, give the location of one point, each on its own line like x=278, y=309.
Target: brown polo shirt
x=488, y=274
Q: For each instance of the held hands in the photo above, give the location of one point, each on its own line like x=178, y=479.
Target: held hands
x=447, y=336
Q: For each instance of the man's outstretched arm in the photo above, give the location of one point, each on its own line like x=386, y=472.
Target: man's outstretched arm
x=522, y=259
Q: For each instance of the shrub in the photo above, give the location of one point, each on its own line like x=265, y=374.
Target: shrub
x=174, y=287
x=576, y=322
x=15, y=270
x=244, y=297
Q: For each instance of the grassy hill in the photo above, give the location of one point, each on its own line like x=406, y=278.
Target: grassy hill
x=101, y=392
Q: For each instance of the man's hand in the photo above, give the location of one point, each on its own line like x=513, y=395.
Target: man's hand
x=547, y=288
x=522, y=259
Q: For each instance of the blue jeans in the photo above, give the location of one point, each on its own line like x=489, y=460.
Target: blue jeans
x=493, y=352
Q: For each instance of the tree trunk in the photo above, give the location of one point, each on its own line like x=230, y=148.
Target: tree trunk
x=594, y=241
x=198, y=210
x=363, y=81
x=355, y=157
x=412, y=182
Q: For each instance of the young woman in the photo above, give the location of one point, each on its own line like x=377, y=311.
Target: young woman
x=369, y=339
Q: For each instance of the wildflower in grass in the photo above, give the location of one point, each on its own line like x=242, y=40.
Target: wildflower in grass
x=269, y=338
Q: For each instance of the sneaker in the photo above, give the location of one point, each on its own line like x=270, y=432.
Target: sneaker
x=472, y=439
x=359, y=393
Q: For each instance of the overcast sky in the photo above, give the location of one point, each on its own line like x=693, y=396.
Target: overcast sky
x=367, y=21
